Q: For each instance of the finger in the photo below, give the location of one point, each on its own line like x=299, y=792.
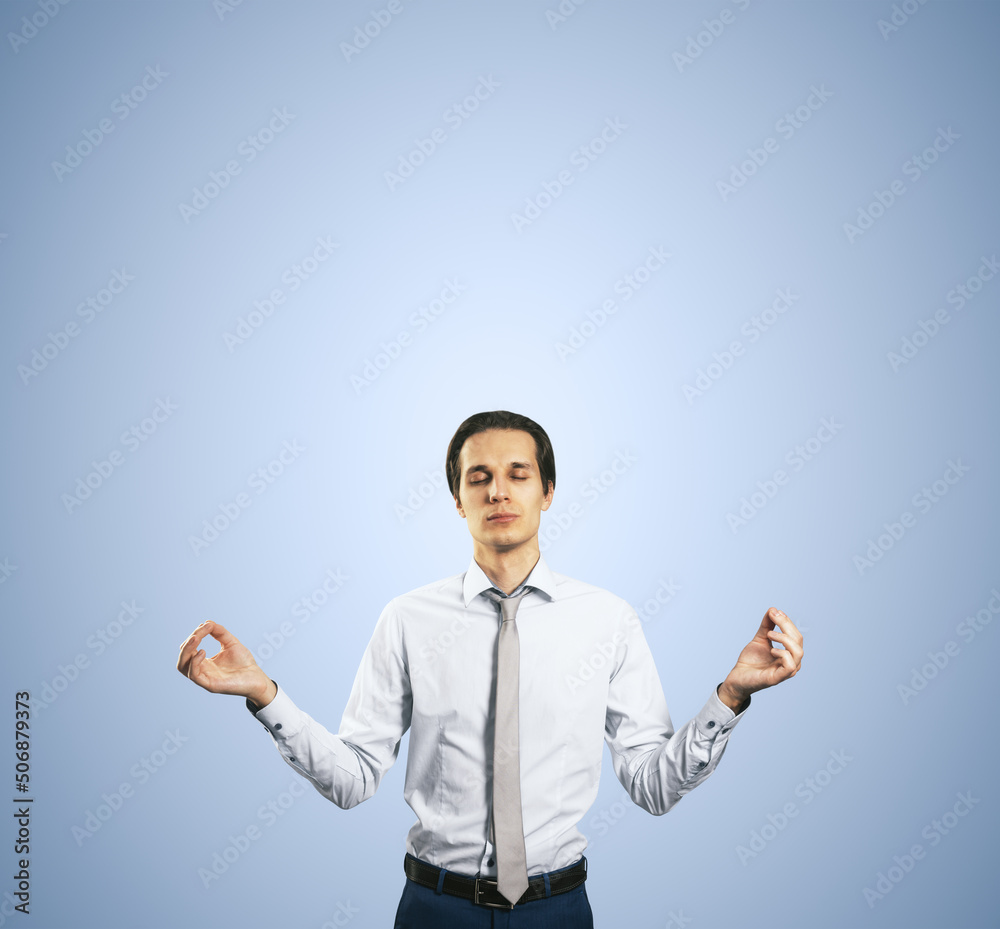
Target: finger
x=192, y=665
x=780, y=670
x=189, y=646
x=785, y=638
x=199, y=672
x=791, y=642
x=770, y=619
x=225, y=638
x=199, y=633
x=785, y=622
x=783, y=655
x=789, y=666
x=184, y=666
x=776, y=634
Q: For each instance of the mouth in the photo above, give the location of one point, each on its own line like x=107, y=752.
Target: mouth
x=501, y=518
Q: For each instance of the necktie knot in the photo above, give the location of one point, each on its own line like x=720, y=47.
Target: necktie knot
x=508, y=605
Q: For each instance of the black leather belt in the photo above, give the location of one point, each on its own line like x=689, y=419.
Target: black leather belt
x=484, y=891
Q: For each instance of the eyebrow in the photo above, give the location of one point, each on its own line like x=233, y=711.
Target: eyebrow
x=481, y=467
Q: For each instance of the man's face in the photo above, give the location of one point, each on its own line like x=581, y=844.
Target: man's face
x=499, y=474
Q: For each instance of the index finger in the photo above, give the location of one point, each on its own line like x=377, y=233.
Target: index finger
x=221, y=634
x=190, y=645
x=781, y=620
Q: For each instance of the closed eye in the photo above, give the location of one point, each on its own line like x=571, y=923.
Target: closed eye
x=483, y=481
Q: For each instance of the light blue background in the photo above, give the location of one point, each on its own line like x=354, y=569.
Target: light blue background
x=338, y=505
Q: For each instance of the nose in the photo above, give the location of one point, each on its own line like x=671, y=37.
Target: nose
x=498, y=490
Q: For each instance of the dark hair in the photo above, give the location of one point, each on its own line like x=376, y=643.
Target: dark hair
x=500, y=419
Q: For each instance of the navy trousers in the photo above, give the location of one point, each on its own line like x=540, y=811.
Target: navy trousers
x=424, y=908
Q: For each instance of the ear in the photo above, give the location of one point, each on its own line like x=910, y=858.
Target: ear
x=547, y=501
x=458, y=506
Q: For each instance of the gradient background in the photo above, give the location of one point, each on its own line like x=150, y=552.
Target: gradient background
x=347, y=501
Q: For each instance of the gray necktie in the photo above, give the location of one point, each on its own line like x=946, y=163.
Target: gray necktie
x=512, y=869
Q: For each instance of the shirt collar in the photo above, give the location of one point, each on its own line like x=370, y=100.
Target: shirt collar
x=476, y=581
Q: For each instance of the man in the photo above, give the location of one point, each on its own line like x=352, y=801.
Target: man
x=509, y=677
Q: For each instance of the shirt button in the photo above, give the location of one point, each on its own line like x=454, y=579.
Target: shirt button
x=292, y=758
x=277, y=725
x=711, y=724
x=490, y=862
x=701, y=764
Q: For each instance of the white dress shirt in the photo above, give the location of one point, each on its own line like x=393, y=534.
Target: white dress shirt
x=586, y=677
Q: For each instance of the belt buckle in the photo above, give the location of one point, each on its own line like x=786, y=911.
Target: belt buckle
x=506, y=905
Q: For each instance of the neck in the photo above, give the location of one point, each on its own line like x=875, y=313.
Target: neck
x=508, y=569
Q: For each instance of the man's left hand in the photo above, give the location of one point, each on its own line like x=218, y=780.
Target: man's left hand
x=762, y=664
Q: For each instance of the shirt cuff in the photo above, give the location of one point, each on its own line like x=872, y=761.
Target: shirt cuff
x=716, y=718
x=281, y=715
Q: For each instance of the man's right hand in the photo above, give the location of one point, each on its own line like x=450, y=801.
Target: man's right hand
x=232, y=671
